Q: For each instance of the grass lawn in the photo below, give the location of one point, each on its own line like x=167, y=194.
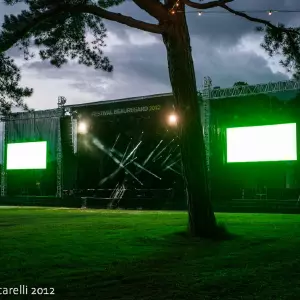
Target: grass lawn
x=101, y=254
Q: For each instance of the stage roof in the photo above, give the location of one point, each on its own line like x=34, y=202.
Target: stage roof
x=120, y=100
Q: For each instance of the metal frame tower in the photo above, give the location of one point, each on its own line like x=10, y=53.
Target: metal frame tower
x=57, y=113
x=206, y=96
x=3, y=170
x=209, y=94
x=74, y=124
x=247, y=90
x=59, y=176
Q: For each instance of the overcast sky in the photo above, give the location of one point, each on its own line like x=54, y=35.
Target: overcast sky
x=225, y=47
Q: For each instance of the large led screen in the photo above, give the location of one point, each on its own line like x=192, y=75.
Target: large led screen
x=262, y=143
x=26, y=156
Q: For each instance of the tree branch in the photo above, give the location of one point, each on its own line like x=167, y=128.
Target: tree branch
x=22, y=31
x=90, y=9
x=257, y=20
x=207, y=5
x=116, y=17
x=153, y=8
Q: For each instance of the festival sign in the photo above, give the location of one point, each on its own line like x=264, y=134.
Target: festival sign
x=128, y=110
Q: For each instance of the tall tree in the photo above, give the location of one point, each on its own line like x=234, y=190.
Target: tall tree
x=59, y=28
x=11, y=94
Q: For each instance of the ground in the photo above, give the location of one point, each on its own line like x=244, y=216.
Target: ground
x=101, y=254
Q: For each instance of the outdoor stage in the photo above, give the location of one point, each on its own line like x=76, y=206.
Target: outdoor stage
x=234, y=205
x=126, y=154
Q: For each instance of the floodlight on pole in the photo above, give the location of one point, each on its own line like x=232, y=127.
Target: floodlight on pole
x=82, y=128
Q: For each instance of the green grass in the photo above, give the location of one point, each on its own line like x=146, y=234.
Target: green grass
x=96, y=254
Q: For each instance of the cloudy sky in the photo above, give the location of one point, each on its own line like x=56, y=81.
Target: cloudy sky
x=225, y=47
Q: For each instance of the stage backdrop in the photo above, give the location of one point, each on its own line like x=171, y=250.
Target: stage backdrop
x=130, y=143
x=228, y=180
x=33, y=127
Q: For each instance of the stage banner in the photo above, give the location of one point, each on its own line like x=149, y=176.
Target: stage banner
x=139, y=107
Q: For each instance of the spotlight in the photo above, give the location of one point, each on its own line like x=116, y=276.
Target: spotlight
x=82, y=128
x=172, y=120
x=67, y=111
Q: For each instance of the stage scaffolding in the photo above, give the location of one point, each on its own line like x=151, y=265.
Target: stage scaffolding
x=207, y=94
x=54, y=116
x=210, y=93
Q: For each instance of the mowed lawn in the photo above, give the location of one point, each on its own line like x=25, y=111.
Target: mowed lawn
x=101, y=254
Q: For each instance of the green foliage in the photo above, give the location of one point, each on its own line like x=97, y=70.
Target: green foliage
x=284, y=41
x=41, y=3
x=62, y=32
x=109, y=3
x=240, y=83
x=61, y=37
x=11, y=94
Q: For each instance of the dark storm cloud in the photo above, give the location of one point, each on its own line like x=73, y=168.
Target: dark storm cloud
x=221, y=28
x=225, y=28
x=228, y=65
x=149, y=76
x=213, y=30
x=129, y=9
x=218, y=28
x=148, y=61
x=252, y=69
x=141, y=68
x=208, y=61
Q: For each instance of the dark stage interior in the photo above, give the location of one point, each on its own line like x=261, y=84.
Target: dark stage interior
x=130, y=155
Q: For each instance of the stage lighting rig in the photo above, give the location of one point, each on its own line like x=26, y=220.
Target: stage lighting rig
x=61, y=101
x=67, y=111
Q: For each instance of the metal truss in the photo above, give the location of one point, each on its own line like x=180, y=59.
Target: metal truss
x=74, y=132
x=51, y=113
x=206, y=96
x=59, y=175
x=59, y=157
x=40, y=114
x=3, y=170
x=247, y=90
x=209, y=94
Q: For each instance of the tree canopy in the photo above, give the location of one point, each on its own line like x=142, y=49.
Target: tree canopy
x=240, y=83
x=59, y=29
x=11, y=94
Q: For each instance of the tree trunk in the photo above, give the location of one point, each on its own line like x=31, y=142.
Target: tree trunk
x=202, y=220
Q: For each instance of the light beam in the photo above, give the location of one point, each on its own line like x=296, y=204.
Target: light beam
x=101, y=147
